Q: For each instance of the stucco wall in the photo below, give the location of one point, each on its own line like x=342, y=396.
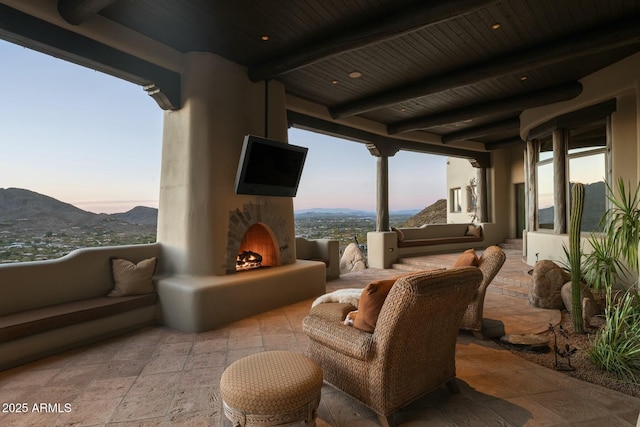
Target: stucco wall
x=622, y=82
x=459, y=174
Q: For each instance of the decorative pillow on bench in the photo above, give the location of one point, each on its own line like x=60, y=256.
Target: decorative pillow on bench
x=474, y=230
x=132, y=279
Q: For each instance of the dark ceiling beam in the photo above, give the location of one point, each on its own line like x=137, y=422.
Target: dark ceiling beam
x=75, y=12
x=514, y=104
x=503, y=143
x=162, y=85
x=618, y=34
x=386, y=143
x=512, y=124
x=408, y=20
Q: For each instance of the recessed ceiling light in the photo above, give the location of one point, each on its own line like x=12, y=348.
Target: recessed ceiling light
x=334, y=82
x=495, y=26
x=355, y=74
x=523, y=78
x=264, y=38
x=403, y=109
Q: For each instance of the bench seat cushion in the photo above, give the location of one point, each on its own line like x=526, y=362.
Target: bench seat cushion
x=17, y=325
x=438, y=241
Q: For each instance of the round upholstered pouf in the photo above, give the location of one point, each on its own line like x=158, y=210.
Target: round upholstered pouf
x=270, y=389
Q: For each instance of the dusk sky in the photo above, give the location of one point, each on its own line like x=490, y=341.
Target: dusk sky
x=92, y=140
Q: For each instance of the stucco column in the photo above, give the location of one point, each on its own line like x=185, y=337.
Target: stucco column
x=201, y=149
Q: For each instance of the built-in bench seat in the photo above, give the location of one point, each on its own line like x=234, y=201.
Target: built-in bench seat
x=39, y=320
x=385, y=247
x=54, y=305
x=438, y=234
x=438, y=241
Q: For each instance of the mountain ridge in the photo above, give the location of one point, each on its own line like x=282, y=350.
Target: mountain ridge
x=30, y=207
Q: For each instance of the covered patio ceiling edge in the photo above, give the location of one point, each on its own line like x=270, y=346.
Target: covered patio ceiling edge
x=386, y=143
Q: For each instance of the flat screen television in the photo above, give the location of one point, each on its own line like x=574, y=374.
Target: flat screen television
x=269, y=168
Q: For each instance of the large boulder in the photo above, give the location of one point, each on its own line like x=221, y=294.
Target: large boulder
x=352, y=259
x=548, y=280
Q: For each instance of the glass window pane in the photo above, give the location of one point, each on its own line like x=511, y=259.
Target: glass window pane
x=591, y=171
x=545, y=196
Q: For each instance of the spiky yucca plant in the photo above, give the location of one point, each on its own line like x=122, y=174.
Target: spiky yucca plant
x=575, y=254
x=621, y=222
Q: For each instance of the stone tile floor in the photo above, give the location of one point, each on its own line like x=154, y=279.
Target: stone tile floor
x=158, y=376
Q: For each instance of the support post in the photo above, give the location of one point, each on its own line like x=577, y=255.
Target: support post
x=382, y=193
x=481, y=192
x=382, y=152
x=559, y=183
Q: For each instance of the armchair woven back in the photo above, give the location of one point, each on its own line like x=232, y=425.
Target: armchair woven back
x=490, y=264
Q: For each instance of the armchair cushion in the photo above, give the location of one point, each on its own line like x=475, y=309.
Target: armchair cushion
x=371, y=300
x=349, y=341
x=468, y=258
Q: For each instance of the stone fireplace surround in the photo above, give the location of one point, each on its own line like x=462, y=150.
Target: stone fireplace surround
x=200, y=303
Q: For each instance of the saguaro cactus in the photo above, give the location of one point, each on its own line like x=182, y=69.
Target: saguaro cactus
x=577, y=206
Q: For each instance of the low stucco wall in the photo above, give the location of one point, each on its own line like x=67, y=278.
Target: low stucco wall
x=84, y=273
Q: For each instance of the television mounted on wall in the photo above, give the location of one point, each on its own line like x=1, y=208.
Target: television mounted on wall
x=269, y=168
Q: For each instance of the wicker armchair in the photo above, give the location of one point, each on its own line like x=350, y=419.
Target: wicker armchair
x=410, y=352
x=490, y=263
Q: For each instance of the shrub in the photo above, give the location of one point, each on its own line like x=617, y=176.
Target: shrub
x=616, y=347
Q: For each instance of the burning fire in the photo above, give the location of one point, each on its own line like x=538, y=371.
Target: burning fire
x=247, y=260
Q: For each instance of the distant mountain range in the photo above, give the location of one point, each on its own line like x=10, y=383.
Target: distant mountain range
x=352, y=212
x=35, y=210
x=595, y=196
x=433, y=214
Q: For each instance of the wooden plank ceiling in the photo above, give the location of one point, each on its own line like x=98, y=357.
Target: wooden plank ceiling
x=460, y=69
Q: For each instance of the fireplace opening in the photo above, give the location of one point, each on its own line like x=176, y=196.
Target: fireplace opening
x=258, y=249
x=247, y=260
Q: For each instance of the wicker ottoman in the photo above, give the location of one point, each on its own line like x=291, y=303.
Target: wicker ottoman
x=270, y=389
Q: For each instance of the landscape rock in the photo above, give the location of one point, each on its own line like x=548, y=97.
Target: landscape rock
x=547, y=282
x=352, y=259
x=590, y=307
